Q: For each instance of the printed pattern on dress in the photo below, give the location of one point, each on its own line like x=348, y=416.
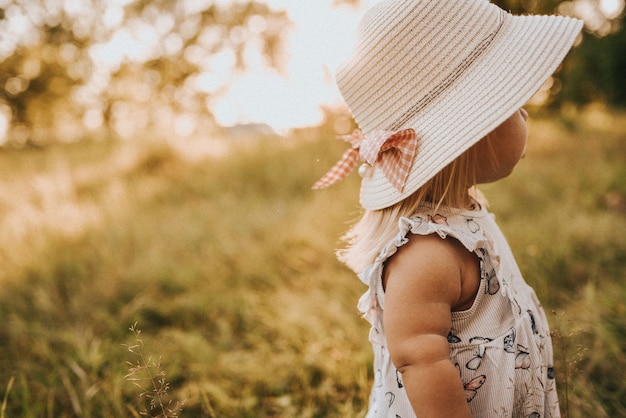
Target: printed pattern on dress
x=501, y=346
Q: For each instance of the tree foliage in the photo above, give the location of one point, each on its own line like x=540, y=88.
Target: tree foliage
x=92, y=61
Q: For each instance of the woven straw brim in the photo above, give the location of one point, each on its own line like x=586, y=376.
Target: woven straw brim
x=524, y=54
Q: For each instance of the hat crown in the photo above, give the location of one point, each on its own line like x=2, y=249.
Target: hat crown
x=410, y=51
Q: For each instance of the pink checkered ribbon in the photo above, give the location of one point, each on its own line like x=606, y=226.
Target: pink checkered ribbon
x=346, y=163
x=393, y=151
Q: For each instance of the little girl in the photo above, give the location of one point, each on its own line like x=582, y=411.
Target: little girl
x=436, y=88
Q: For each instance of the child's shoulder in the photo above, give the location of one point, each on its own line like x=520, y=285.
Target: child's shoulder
x=421, y=251
x=431, y=267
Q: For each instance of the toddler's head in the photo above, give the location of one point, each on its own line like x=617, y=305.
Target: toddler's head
x=428, y=79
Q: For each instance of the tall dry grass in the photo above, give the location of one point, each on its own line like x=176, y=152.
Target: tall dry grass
x=227, y=266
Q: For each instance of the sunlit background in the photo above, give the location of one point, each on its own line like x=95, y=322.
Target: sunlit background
x=71, y=68
x=156, y=163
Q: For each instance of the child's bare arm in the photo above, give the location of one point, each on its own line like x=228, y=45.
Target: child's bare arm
x=422, y=285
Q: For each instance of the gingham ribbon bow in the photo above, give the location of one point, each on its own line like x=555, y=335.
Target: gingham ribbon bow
x=394, y=151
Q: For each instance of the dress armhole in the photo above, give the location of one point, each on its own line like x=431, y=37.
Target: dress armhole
x=480, y=292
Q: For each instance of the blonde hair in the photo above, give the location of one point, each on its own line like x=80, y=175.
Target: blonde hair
x=451, y=187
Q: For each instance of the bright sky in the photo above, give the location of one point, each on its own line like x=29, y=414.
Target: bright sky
x=319, y=41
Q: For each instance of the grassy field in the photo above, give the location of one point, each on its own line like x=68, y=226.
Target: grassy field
x=226, y=266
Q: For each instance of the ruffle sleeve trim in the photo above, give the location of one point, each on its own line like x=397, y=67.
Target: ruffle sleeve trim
x=465, y=226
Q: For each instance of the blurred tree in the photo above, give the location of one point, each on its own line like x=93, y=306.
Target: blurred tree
x=596, y=71
x=94, y=62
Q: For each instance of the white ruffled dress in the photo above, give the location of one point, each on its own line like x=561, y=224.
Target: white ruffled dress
x=501, y=345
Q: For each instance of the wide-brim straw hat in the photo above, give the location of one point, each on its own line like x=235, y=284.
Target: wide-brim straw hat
x=452, y=70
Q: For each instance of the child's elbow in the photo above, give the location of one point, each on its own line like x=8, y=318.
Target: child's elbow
x=419, y=351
